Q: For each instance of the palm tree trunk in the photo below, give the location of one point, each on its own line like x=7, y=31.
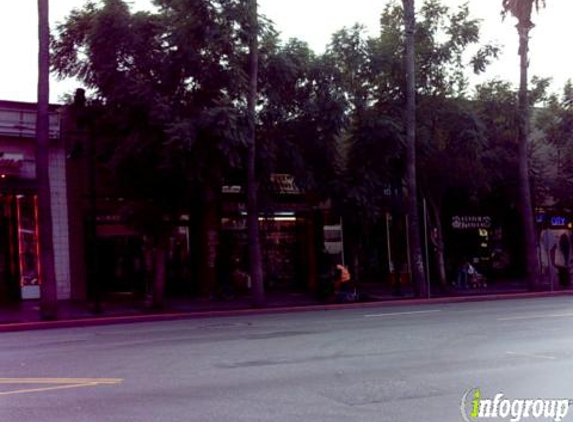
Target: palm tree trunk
x=48, y=290
x=160, y=256
x=438, y=244
x=418, y=277
x=208, y=237
x=258, y=291
x=532, y=262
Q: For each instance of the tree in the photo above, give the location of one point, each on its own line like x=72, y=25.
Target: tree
x=125, y=120
x=367, y=74
x=252, y=206
x=553, y=177
x=452, y=147
x=172, y=88
x=301, y=117
x=451, y=137
x=522, y=10
x=48, y=297
x=495, y=103
x=417, y=270
x=360, y=140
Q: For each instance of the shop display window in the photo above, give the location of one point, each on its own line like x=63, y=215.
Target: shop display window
x=27, y=212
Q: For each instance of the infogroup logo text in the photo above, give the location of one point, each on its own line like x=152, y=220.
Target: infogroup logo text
x=475, y=408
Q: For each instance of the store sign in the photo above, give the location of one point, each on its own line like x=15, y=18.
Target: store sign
x=280, y=183
x=558, y=221
x=465, y=222
x=333, y=239
x=231, y=189
x=10, y=163
x=284, y=184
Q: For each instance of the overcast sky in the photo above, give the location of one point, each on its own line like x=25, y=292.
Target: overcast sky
x=311, y=20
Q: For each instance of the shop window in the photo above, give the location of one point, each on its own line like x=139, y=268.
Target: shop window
x=28, y=247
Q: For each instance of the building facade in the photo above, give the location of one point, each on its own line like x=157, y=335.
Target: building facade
x=20, y=272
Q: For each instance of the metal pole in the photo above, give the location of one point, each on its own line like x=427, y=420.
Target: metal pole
x=426, y=245
x=549, y=263
x=342, y=241
x=408, y=251
x=390, y=263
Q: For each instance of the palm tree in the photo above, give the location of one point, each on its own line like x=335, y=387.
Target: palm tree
x=252, y=207
x=48, y=295
x=418, y=278
x=522, y=10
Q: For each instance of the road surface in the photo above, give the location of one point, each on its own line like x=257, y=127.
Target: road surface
x=395, y=364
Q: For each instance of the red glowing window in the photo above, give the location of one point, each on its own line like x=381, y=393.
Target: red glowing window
x=27, y=213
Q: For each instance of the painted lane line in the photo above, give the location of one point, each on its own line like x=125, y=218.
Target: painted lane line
x=531, y=355
x=432, y=311
x=60, y=380
x=522, y=317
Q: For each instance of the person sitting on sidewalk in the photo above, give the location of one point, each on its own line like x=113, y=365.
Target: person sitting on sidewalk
x=475, y=279
x=463, y=274
x=343, y=290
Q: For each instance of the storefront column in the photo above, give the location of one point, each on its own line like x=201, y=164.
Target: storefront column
x=60, y=221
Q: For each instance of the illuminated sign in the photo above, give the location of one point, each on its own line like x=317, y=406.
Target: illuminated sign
x=558, y=221
x=553, y=220
x=284, y=184
x=464, y=222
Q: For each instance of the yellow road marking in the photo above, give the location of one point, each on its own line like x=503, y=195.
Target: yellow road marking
x=61, y=383
x=60, y=380
x=37, y=390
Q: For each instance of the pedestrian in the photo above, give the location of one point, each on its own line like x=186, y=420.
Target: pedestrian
x=463, y=274
x=560, y=255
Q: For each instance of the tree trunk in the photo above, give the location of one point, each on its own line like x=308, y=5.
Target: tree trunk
x=397, y=248
x=48, y=289
x=418, y=277
x=438, y=244
x=532, y=261
x=160, y=256
x=208, y=238
x=255, y=258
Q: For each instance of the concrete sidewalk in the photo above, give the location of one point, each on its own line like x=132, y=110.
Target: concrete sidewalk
x=26, y=316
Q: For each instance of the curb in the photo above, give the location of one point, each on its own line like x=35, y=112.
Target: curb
x=174, y=316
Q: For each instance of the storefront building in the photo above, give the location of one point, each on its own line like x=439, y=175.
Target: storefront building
x=287, y=225
x=20, y=272
x=110, y=259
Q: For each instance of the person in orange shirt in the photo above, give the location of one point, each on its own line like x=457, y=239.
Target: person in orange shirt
x=342, y=289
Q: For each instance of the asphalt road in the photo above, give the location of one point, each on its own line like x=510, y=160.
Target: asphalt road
x=398, y=364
